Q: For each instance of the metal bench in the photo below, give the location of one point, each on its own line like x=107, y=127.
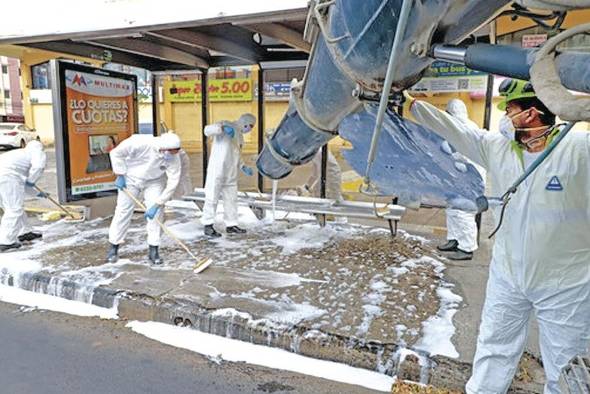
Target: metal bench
x=320, y=207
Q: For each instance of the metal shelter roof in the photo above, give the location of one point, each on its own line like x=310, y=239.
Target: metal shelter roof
x=186, y=38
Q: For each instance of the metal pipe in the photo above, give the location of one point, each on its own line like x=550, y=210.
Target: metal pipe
x=204, y=121
x=155, y=103
x=397, y=40
x=260, y=177
x=449, y=53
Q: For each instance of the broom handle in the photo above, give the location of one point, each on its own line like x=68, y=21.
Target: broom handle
x=164, y=228
x=55, y=202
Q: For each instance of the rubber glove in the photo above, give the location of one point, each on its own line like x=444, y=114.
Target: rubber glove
x=229, y=131
x=152, y=212
x=120, y=182
x=42, y=194
x=247, y=170
x=29, y=184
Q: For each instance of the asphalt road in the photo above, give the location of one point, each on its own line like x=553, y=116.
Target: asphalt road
x=46, y=352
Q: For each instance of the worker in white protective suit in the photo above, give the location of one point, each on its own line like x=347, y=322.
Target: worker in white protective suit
x=541, y=256
x=461, y=225
x=222, y=172
x=20, y=169
x=333, y=177
x=149, y=165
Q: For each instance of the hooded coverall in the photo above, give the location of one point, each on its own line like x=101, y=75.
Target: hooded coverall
x=461, y=225
x=16, y=168
x=222, y=172
x=146, y=170
x=541, y=255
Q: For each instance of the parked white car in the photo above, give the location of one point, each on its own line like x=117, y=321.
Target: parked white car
x=16, y=135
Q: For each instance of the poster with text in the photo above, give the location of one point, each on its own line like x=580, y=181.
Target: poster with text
x=100, y=113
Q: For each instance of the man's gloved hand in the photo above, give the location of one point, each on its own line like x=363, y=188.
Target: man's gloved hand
x=152, y=212
x=42, y=194
x=120, y=182
x=229, y=131
x=30, y=184
x=247, y=170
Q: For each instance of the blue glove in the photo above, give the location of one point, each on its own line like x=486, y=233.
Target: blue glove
x=247, y=170
x=42, y=195
x=120, y=182
x=152, y=212
x=29, y=184
x=229, y=131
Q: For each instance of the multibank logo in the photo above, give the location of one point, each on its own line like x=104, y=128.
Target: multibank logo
x=79, y=80
x=97, y=84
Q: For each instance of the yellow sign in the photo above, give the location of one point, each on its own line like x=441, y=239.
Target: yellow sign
x=238, y=89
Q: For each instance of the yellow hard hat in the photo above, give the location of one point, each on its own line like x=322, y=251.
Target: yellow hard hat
x=514, y=89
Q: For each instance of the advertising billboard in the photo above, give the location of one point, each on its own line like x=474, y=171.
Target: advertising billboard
x=444, y=77
x=94, y=110
x=235, y=89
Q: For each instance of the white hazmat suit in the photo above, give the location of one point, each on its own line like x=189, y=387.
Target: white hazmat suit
x=147, y=171
x=222, y=171
x=18, y=167
x=541, y=256
x=461, y=225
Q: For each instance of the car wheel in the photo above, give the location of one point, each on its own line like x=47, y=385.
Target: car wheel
x=23, y=143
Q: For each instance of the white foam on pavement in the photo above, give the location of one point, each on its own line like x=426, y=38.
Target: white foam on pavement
x=13, y=295
x=237, y=351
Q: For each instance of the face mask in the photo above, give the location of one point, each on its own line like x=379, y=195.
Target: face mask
x=507, y=128
x=167, y=156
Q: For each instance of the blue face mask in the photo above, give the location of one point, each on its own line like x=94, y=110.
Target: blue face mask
x=167, y=155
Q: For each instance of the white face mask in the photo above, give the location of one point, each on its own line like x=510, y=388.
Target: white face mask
x=167, y=155
x=507, y=128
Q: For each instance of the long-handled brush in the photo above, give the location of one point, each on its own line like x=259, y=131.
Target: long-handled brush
x=201, y=263
x=72, y=218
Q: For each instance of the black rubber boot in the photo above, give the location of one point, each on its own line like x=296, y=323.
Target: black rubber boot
x=154, y=255
x=30, y=236
x=450, y=246
x=211, y=232
x=113, y=253
x=4, y=248
x=460, y=255
x=235, y=230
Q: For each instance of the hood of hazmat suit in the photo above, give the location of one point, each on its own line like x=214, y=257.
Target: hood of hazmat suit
x=139, y=159
x=540, y=259
x=25, y=164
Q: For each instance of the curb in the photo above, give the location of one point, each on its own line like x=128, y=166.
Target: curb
x=388, y=358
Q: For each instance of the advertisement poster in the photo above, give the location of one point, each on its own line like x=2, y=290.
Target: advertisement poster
x=236, y=89
x=98, y=111
x=443, y=77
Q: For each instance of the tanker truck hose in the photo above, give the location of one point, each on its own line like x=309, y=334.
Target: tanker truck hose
x=548, y=86
x=391, y=67
x=553, y=4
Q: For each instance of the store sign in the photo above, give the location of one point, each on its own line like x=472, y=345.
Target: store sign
x=236, y=89
x=533, y=40
x=277, y=90
x=97, y=110
x=443, y=77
